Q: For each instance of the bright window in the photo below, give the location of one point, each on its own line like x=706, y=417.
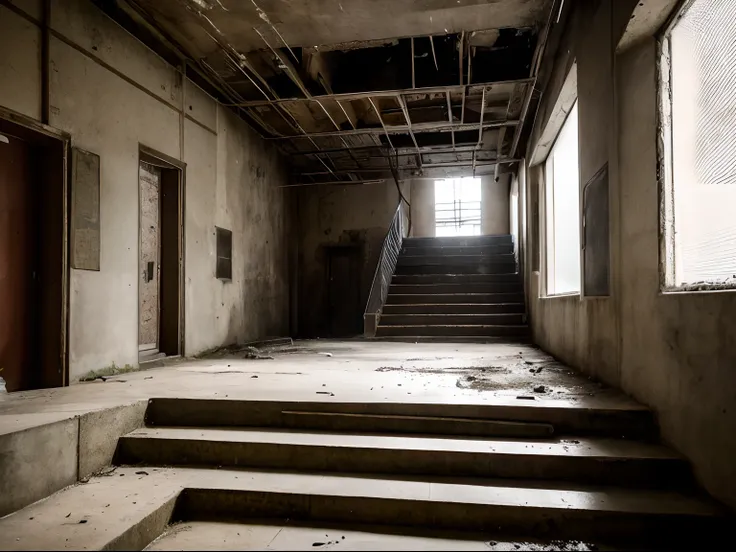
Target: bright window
x=457, y=207
x=562, y=212
x=699, y=134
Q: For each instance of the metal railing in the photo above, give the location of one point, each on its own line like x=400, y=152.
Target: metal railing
x=397, y=231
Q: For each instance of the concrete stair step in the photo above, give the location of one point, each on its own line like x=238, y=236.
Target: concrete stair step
x=265, y=534
x=413, y=250
x=587, y=513
x=467, y=287
x=464, y=268
x=454, y=260
x=446, y=330
x=147, y=499
x=632, y=422
x=454, y=308
x=460, y=241
x=516, y=319
x=588, y=460
x=449, y=298
x=455, y=278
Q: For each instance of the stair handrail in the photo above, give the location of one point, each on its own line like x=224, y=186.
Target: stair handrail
x=390, y=250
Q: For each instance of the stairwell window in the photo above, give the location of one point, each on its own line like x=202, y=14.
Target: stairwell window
x=457, y=207
x=698, y=154
x=562, y=210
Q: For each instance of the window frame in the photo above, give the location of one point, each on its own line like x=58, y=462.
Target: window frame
x=221, y=233
x=665, y=165
x=546, y=189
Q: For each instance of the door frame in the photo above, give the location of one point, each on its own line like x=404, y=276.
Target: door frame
x=354, y=251
x=146, y=154
x=40, y=135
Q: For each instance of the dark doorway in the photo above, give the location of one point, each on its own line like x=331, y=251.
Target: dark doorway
x=160, y=326
x=33, y=258
x=343, y=283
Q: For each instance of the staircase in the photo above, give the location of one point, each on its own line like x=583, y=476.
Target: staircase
x=455, y=289
x=239, y=474
x=514, y=473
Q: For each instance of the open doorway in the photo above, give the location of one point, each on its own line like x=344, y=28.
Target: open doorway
x=160, y=301
x=457, y=207
x=33, y=254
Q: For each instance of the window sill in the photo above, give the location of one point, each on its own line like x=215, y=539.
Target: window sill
x=674, y=292
x=562, y=295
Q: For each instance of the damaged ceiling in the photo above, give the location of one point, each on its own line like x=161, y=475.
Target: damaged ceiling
x=362, y=90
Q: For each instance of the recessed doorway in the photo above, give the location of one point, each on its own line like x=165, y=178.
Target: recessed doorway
x=160, y=301
x=33, y=254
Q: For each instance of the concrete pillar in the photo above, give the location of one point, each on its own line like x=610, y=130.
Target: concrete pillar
x=495, y=205
x=422, y=208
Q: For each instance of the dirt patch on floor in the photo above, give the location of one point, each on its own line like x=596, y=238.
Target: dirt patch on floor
x=529, y=376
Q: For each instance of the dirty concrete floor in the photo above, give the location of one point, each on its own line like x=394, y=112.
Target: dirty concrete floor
x=327, y=370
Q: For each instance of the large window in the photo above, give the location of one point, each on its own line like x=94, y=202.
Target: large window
x=698, y=114
x=457, y=207
x=562, y=210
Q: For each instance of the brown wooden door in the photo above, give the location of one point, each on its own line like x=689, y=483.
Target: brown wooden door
x=17, y=272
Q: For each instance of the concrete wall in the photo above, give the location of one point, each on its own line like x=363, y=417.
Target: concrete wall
x=111, y=93
x=674, y=352
x=357, y=215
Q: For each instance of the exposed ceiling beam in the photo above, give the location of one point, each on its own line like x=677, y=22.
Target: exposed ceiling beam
x=402, y=129
x=401, y=152
x=384, y=93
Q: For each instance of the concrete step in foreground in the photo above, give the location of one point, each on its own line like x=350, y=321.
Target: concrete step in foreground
x=148, y=498
x=508, y=418
x=284, y=535
x=586, y=460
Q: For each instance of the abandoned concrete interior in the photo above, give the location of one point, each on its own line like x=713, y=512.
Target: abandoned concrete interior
x=367, y=274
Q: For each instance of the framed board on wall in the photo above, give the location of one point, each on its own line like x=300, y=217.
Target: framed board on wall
x=85, y=215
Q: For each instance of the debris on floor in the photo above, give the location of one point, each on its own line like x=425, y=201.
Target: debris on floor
x=255, y=354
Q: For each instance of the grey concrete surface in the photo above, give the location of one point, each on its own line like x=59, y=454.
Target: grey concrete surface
x=36, y=462
x=99, y=433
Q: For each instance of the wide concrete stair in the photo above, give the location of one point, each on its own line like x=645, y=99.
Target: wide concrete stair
x=532, y=473
x=455, y=289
